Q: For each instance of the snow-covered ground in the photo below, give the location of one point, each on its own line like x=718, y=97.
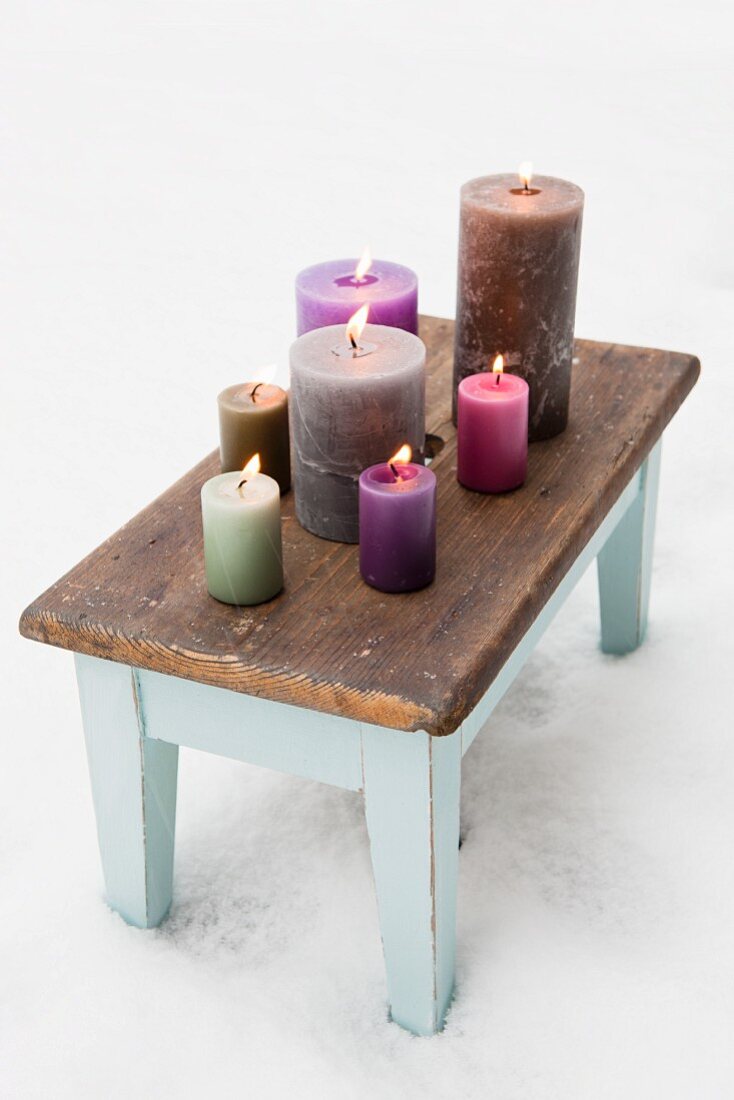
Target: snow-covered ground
x=167, y=169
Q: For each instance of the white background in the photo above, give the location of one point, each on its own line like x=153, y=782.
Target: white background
x=168, y=167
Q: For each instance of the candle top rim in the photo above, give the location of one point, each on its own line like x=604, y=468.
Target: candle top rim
x=502, y=192
x=238, y=396
x=222, y=488
x=318, y=280
x=483, y=386
x=397, y=351
x=378, y=478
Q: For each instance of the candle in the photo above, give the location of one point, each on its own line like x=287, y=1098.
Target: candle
x=492, y=446
x=518, y=269
x=253, y=419
x=243, y=558
x=329, y=293
x=355, y=398
x=397, y=524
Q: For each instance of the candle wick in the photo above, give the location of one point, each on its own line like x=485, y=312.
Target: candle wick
x=498, y=373
x=243, y=482
x=393, y=471
x=255, y=389
x=353, y=342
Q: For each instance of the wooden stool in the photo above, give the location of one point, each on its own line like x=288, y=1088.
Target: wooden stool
x=338, y=682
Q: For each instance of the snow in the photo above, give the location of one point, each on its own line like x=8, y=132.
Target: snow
x=168, y=168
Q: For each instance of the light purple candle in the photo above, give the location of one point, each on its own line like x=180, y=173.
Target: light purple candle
x=329, y=293
x=397, y=526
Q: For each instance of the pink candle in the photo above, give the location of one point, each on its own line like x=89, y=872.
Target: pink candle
x=492, y=423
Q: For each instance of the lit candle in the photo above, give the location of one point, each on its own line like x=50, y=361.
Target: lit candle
x=243, y=557
x=397, y=524
x=518, y=270
x=355, y=397
x=253, y=419
x=492, y=430
x=329, y=293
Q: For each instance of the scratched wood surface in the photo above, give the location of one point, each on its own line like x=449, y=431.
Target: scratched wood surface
x=330, y=643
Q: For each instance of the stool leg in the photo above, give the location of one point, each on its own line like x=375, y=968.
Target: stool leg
x=625, y=566
x=411, y=790
x=134, y=793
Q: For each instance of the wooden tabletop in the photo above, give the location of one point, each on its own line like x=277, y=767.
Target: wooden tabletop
x=329, y=642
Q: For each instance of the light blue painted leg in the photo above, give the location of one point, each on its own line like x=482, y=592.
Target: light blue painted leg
x=625, y=566
x=411, y=790
x=134, y=792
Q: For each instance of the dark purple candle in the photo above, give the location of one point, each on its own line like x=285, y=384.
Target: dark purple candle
x=329, y=293
x=397, y=526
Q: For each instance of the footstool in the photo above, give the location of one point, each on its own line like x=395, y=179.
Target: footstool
x=337, y=682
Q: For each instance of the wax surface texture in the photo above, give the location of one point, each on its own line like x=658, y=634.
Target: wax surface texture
x=253, y=419
x=243, y=555
x=397, y=527
x=518, y=270
x=492, y=432
x=350, y=413
x=328, y=294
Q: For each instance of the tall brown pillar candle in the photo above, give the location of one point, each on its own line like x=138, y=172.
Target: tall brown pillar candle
x=253, y=419
x=518, y=268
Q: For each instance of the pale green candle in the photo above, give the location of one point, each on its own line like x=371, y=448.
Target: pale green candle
x=243, y=554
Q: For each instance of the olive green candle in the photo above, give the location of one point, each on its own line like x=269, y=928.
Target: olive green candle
x=253, y=419
x=243, y=554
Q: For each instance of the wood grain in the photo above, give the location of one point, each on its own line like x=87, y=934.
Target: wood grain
x=330, y=643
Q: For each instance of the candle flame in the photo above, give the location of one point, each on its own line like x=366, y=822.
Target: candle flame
x=251, y=468
x=364, y=264
x=355, y=325
x=499, y=365
x=525, y=172
x=263, y=376
x=402, y=456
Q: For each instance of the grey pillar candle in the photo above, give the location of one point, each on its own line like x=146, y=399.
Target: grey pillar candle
x=518, y=270
x=349, y=409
